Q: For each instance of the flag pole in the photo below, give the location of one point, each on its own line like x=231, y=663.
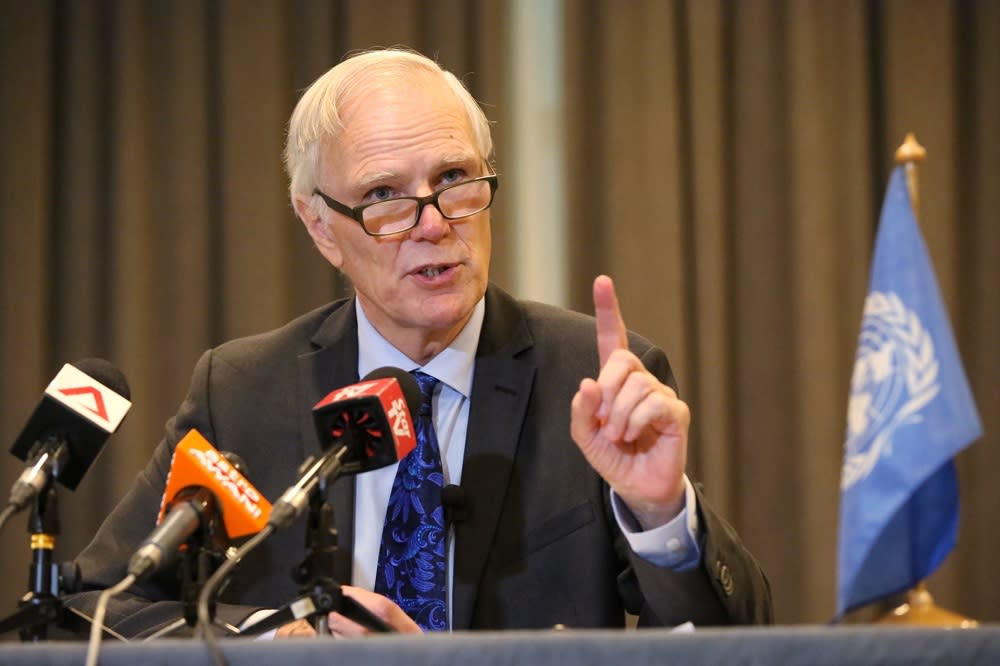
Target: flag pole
x=919, y=607
x=909, y=154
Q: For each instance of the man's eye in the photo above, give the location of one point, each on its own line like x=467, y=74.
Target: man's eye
x=452, y=176
x=380, y=193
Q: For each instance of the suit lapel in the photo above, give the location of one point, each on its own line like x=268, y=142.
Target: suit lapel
x=500, y=391
x=333, y=363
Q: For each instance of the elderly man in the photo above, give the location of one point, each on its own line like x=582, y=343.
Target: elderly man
x=563, y=430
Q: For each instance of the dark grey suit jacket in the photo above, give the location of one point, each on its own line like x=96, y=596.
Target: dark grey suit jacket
x=539, y=545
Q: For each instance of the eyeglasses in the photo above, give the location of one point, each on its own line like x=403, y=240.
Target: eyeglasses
x=393, y=216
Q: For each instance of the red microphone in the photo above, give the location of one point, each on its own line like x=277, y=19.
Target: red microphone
x=202, y=488
x=361, y=427
x=371, y=418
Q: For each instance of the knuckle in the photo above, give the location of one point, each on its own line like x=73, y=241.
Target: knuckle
x=621, y=355
x=380, y=606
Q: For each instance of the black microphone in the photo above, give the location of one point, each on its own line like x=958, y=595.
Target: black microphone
x=361, y=427
x=455, y=503
x=82, y=406
x=205, y=493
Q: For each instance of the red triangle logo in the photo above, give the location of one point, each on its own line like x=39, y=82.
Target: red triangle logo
x=98, y=407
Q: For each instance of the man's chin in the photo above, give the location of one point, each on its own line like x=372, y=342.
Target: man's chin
x=443, y=312
x=441, y=320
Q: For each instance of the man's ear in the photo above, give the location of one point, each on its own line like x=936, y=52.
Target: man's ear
x=320, y=231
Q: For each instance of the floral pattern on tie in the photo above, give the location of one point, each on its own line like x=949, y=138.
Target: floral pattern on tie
x=412, y=566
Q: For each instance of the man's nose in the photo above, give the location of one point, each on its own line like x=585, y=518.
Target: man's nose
x=431, y=224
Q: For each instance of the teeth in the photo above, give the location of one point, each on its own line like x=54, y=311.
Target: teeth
x=430, y=272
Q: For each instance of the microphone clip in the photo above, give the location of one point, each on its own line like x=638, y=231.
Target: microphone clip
x=320, y=592
x=455, y=504
x=197, y=564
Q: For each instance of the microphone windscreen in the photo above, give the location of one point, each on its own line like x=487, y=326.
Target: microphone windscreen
x=407, y=383
x=198, y=463
x=237, y=462
x=106, y=373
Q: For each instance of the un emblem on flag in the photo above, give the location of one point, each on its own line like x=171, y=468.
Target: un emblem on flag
x=895, y=377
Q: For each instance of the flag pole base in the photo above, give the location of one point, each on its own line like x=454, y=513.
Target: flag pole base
x=920, y=610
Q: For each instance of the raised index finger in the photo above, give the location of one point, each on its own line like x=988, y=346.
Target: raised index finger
x=611, y=332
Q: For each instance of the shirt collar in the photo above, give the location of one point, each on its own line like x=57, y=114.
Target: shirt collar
x=453, y=365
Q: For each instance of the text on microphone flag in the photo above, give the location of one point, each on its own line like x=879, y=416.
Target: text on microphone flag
x=197, y=462
x=353, y=391
x=230, y=479
x=398, y=415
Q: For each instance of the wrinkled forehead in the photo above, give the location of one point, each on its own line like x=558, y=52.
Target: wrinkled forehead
x=393, y=129
x=402, y=105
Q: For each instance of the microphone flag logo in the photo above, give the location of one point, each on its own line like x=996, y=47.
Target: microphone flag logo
x=352, y=391
x=88, y=397
x=98, y=407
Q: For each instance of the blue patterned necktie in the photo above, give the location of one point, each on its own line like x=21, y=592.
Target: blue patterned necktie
x=411, y=561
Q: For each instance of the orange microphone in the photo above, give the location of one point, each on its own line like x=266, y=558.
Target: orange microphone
x=205, y=492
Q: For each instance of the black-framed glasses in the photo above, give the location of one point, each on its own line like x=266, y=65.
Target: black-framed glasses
x=393, y=216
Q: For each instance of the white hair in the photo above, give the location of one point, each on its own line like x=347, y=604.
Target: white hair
x=316, y=116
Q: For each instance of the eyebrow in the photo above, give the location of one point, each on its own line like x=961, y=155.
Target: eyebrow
x=448, y=161
x=468, y=162
x=451, y=160
x=372, y=178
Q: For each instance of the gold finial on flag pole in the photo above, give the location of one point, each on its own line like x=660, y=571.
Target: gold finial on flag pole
x=919, y=608
x=909, y=154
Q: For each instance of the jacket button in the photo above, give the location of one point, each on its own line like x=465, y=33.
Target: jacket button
x=724, y=577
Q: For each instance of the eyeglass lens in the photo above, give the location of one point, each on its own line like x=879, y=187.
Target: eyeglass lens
x=455, y=202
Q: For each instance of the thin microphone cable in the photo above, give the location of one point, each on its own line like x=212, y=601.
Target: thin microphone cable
x=7, y=513
x=97, y=624
x=212, y=585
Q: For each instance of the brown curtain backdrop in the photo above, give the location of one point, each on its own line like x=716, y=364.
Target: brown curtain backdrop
x=727, y=162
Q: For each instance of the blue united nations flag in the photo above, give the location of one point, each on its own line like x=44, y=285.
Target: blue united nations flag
x=910, y=412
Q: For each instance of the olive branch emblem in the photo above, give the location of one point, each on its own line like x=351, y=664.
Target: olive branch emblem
x=912, y=351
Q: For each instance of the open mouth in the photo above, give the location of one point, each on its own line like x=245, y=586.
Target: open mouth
x=431, y=272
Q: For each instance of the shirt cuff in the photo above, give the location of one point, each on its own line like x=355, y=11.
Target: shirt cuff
x=672, y=546
x=256, y=617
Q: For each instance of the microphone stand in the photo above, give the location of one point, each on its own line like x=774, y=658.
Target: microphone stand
x=41, y=607
x=197, y=564
x=321, y=593
x=204, y=552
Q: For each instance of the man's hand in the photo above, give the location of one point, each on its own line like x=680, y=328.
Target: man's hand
x=380, y=606
x=632, y=428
